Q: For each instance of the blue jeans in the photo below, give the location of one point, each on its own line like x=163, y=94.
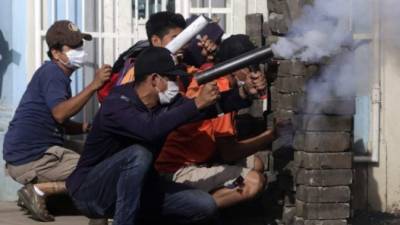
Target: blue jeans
x=125, y=187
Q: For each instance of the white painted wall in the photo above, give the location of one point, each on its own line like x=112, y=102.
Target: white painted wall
x=377, y=185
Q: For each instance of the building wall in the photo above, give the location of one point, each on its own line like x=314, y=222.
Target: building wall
x=377, y=184
x=386, y=173
x=13, y=70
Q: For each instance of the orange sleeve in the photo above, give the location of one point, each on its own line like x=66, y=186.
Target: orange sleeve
x=129, y=76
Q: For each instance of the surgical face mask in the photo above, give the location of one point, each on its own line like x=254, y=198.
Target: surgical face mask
x=167, y=95
x=76, y=58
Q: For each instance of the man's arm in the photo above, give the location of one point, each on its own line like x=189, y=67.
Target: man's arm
x=239, y=98
x=125, y=119
x=64, y=110
x=232, y=150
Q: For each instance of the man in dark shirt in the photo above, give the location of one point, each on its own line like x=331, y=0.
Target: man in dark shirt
x=115, y=175
x=33, y=145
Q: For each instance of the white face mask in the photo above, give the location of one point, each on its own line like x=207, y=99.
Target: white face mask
x=167, y=95
x=76, y=58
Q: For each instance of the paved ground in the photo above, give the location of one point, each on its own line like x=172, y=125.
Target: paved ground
x=10, y=214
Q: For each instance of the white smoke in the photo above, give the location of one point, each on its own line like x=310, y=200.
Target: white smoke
x=321, y=31
x=325, y=31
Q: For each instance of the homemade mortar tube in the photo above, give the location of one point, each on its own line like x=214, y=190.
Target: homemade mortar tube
x=244, y=60
x=187, y=34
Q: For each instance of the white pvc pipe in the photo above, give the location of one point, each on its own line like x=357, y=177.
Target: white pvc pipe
x=187, y=34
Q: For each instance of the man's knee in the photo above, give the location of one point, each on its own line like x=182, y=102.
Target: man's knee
x=254, y=184
x=138, y=156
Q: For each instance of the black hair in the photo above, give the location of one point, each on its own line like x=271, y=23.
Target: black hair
x=59, y=46
x=234, y=46
x=55, y=47
x=140, y=79
x=160, y=23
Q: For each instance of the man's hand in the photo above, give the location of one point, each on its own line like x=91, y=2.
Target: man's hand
x=209, y=94
x=102, y=75
x=208, y=47
x=255, y=83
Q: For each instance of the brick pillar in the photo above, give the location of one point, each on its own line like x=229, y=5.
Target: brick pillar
x=315, y=164
x=323, y=143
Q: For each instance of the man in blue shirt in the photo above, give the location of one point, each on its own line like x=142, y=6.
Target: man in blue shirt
x=33, y=145
x=115, y=175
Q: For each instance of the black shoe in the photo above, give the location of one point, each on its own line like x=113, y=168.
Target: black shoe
x=20, y=203
x=34, y=203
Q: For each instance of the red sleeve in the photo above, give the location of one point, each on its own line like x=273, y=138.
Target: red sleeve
x=104, y=91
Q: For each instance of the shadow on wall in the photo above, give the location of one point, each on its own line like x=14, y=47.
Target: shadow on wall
x=7, y=56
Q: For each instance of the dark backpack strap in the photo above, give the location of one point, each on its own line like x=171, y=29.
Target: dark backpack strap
x=132, y=52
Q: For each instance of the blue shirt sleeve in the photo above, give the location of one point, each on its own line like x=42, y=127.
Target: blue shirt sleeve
x=56, y=89
x=123, y=118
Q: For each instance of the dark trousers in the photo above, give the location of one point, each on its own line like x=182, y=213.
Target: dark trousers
x=126, y=188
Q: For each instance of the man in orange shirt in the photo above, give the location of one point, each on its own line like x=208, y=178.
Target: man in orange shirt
x=206, y=154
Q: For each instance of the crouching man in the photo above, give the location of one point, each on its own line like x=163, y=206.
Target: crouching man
x=33, y=145
x=207, y=155
x=115, y=176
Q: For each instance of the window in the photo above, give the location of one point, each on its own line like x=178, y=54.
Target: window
x=112, y=23
x=218, y=10
x=365, y=27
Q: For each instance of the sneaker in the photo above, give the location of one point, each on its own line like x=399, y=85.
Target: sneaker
x=100, y=221
x=20, y=203
x=34, y=203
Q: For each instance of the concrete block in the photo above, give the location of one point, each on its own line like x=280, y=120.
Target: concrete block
x=325, y=123
x=333, y=177
x=342, y=160
x=281, y=114
x=256, y=109
x=329, y=106
x=254, y=24
x=301, y=221
x=266, y=30
x=322, y=141
x=338, y=194
x=322, y=211
x=295, y=8
x=291, y=84
x=288, y=214
x=290, y=198
x=278, y=6
x=272, y=39
x=311, y=70
x=278, y=23
x=292, y=67
x=292, y=101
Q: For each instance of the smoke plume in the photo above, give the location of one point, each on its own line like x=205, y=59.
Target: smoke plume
x=325, y=30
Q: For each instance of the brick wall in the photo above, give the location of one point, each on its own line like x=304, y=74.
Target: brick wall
x=314, y=163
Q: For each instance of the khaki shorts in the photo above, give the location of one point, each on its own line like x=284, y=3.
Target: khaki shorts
x=209, y=178
x=56, y=165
